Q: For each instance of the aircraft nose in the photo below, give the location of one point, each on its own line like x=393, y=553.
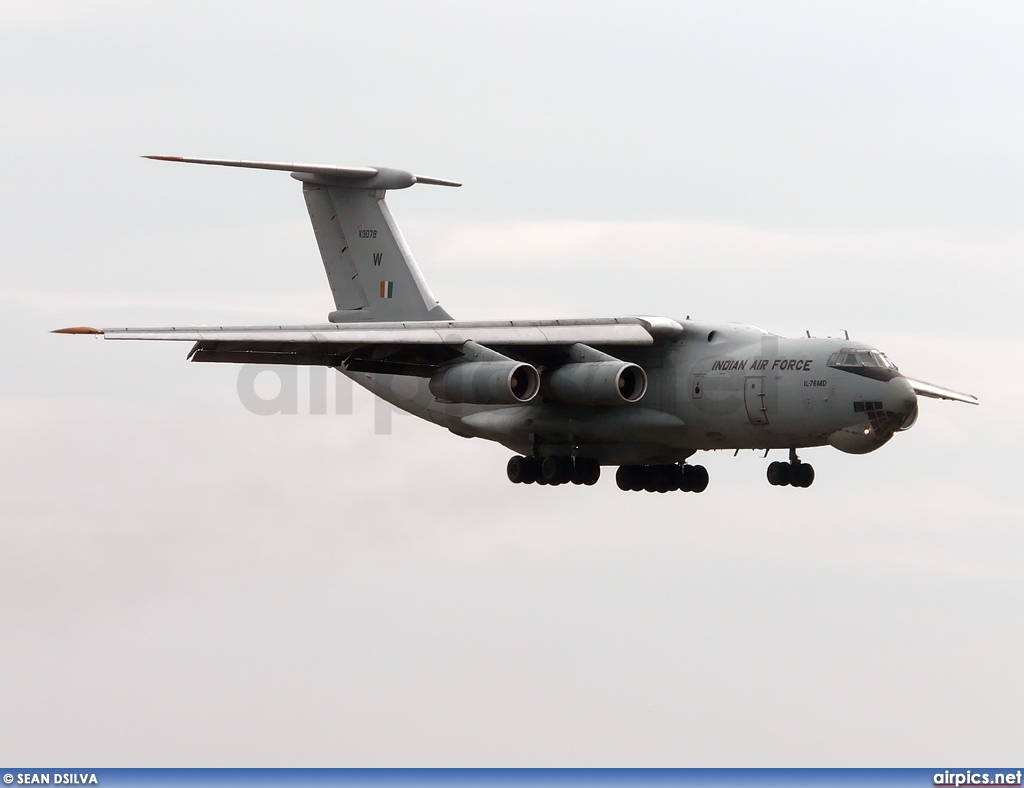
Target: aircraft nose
x=900, y=402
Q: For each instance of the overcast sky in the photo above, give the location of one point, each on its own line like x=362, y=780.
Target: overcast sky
x=183, y=583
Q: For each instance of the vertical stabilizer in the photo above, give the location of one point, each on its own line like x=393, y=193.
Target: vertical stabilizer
x=372, y=273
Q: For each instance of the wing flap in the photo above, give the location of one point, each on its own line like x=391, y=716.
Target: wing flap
x=394, y=359
x=298, y=358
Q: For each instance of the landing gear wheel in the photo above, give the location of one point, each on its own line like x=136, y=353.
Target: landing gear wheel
x=585, y=471
x=802, y=475
x=666, y=477
x=778, y=474
x=797, y=474
x=662, y=478
x=630, y=478
x=556, y=470
x=699, y=478
x=522, y=470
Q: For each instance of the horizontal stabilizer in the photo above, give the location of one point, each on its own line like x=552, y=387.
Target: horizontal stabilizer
x=923, y=389
x=364, y=177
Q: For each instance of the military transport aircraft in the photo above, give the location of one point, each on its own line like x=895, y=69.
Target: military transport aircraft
x=568, y=396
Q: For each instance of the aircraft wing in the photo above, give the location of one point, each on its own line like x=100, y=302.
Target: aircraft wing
x=411, y=348
x=923, y=389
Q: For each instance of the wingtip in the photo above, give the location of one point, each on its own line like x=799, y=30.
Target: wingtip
x=77, y=330
x=435, y=181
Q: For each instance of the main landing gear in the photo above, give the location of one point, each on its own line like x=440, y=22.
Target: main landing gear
x=580, y=470
x=662, y=478
x=793, y=473
x=553, y=470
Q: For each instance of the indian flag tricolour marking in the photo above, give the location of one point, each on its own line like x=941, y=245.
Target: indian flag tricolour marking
x=387, y=289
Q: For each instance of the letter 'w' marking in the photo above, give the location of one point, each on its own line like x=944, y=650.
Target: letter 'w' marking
x=377, y=257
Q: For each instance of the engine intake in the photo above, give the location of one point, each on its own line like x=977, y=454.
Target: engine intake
x=595, y=383
x=486, y=383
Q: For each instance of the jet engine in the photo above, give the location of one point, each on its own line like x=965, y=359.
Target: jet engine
x=486, y=383
x=595, y=383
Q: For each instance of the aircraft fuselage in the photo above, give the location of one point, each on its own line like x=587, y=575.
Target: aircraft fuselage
x=713, y=387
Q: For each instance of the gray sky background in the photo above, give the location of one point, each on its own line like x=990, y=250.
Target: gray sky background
x=183, y=583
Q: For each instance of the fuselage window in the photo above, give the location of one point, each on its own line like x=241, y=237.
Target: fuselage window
x=848, y=357
x=882, y=359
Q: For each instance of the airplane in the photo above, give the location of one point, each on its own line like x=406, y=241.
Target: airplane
x=568, y=396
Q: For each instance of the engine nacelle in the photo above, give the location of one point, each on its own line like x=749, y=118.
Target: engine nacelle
x=595, y=383
x=487, y=383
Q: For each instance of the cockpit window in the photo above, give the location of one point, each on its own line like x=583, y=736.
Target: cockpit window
x=854, y=357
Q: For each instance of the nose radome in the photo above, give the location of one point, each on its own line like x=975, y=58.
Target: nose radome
x=899, y=398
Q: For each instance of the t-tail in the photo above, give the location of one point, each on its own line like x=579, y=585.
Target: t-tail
x=372, y=274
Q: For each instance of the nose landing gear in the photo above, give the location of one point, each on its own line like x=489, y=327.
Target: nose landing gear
x=793, y=473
